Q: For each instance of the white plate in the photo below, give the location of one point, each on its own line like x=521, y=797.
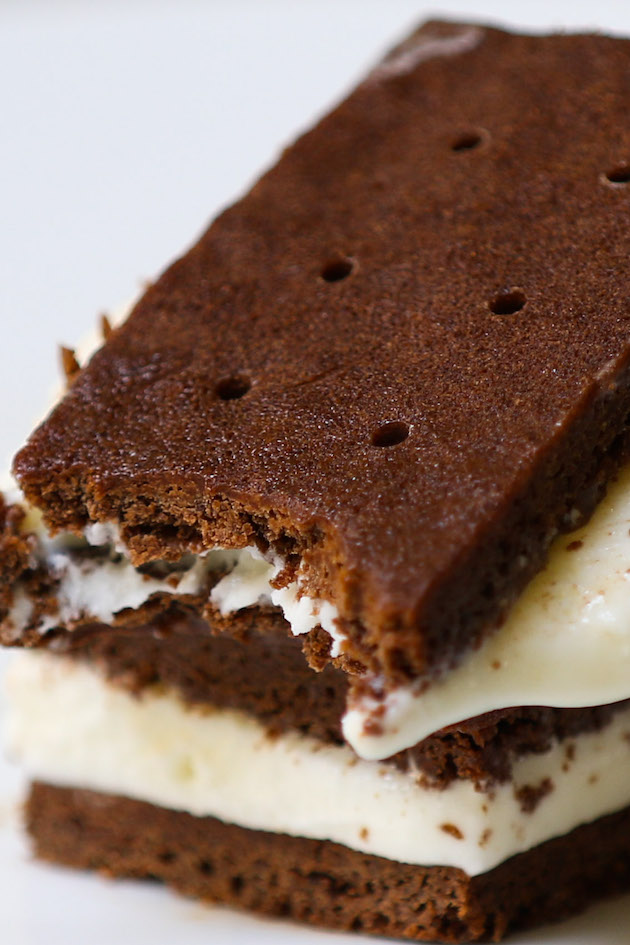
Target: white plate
x=125, y=126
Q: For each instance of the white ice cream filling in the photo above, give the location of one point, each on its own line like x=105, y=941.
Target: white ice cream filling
x=250, y=582
x=97, y=580
x=69, y=727
x=566, y=642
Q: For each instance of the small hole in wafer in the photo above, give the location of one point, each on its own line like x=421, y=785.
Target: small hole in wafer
x=390, y=434
x=337, y=269
x=466, y=141
x=619, y=174
x=231, y=388
x=507, y=303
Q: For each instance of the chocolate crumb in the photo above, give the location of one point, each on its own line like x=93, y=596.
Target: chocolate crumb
x=69, y=364
x=364, y=833
x=485, y=836
x=452, y=830
x=106, y=328
x=575, y=545
x=373, y=725
x=529, y=796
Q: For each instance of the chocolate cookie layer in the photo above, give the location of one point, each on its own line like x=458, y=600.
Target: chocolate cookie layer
x=325, y=883
x=402, y=356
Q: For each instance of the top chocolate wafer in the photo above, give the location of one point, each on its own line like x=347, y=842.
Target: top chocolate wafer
x=401, y=360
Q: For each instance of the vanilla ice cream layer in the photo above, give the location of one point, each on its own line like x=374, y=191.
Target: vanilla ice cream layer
x=69, y=727
x=566, y=642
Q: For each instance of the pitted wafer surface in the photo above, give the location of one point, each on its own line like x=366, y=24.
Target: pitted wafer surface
x=404, y=354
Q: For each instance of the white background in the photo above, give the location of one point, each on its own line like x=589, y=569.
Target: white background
x=124, y=126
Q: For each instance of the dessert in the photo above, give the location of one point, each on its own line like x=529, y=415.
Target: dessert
x=321, y=563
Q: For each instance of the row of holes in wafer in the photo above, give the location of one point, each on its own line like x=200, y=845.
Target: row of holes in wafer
x=388, y=434
x=505, y=303
x=469, y=140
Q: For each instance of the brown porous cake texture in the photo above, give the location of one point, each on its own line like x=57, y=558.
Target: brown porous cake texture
x=326, y=883
x=386, y=338
x=401, y=365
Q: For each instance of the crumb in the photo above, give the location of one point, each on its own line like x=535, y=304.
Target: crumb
x=485, y=836
x=529, y=796
x=373, y=725
x=70, y=365
x=106, y=328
